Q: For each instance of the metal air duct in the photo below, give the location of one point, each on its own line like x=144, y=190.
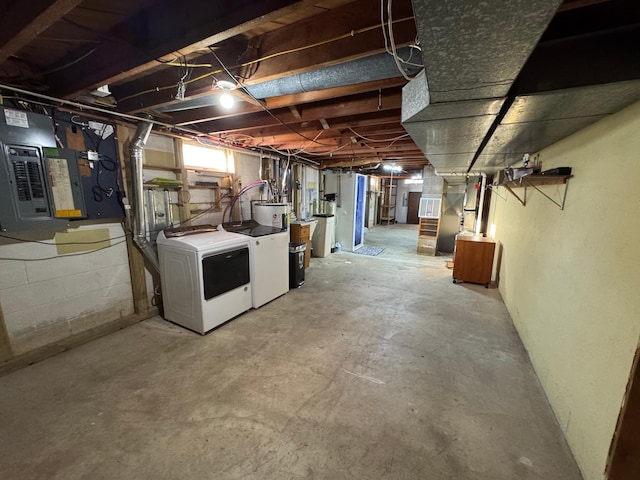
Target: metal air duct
x=140, y=230
x=380, y=66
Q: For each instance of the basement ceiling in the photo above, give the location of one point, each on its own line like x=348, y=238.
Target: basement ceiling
x=314, y=79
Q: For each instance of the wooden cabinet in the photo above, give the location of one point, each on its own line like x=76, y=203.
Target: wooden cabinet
x=302, y=234
x=473, y=260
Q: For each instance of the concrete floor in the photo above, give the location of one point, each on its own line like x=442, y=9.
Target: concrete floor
x=378, y=367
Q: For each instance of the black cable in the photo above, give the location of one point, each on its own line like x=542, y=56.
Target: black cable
x=62, y=256
x=61, y=243
x=262, y=105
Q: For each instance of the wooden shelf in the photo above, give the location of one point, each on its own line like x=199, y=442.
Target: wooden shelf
x=428, y=227
x=168, y=186
x=161, y=167
x=388, y=202
x=428, y=235
x=204, y=187
x=535, y=181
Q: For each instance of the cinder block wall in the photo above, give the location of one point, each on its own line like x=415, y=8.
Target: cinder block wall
x=45, y=301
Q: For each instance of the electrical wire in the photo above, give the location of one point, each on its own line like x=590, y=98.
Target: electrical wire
x=372, y=140
x=169, y=87
x=237, y=196
x=63, y=256
x=393, y=43
x=289, y=127
x=3, y=235
x=386, y=41
x=66, y=65
x=352, y=33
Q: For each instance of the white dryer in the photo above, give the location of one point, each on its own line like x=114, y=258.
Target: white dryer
x=206, y=277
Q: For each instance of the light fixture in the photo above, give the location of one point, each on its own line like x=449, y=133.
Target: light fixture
x=226, y=99
x=392, y=167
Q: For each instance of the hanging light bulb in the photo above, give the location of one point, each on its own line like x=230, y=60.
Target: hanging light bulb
x=226, y=100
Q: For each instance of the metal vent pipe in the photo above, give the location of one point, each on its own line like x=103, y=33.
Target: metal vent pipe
x=140, y=229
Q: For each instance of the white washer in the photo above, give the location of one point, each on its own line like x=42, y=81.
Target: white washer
x=206, y=278
x=269, y=259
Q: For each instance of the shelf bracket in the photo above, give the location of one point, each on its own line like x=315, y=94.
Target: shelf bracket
x=495, y=191
x=523, y=201
x=554, y=201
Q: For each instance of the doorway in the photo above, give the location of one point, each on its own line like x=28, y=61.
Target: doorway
x=413, y=205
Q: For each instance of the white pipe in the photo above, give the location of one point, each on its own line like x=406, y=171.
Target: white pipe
x=480, y=209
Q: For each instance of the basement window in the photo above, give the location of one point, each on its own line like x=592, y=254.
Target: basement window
x=208, y=158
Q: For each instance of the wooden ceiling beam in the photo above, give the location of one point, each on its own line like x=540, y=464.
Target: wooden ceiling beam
x=373, y=120
x=366, y=161
x=200, y=115
x=349, y=147
x=356, y=106
x=336, y=36
x=178, y=28
x=24, y=21
x=329, y=93
x=262, y=60
x=288, y=137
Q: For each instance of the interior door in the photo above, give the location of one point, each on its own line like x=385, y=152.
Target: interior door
x=360, y=206
x=413, y=205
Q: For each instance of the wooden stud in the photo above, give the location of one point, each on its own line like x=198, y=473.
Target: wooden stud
x=5, y=345
x=185, y=211
x=624, y=454
x=136, y=259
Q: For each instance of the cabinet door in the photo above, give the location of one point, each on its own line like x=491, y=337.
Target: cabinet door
x=302, y=234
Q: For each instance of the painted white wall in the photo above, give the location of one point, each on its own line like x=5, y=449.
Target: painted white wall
x=48, y=300
x=404, y=189
x=570, y=280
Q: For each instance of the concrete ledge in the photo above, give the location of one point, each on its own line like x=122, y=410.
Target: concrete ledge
x=75, y=340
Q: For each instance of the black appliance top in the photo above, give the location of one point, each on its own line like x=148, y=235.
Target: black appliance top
x=191, y=230
x=251, y=228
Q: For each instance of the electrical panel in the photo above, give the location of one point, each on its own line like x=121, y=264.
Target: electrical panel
x=40, y=185
x=44, y=186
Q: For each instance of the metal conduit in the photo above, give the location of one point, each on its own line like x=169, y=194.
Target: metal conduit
x=140, y=230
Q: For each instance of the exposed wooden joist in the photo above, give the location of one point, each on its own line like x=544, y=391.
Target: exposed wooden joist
x=358, y=105
x=207, y=114
x=295, y=112
x=366, y=161
x=295, y=39
x=357, y=22
x=24, y=21
x=288, y=137
x=366, y=149
x=185, y=26
x=375, y=119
